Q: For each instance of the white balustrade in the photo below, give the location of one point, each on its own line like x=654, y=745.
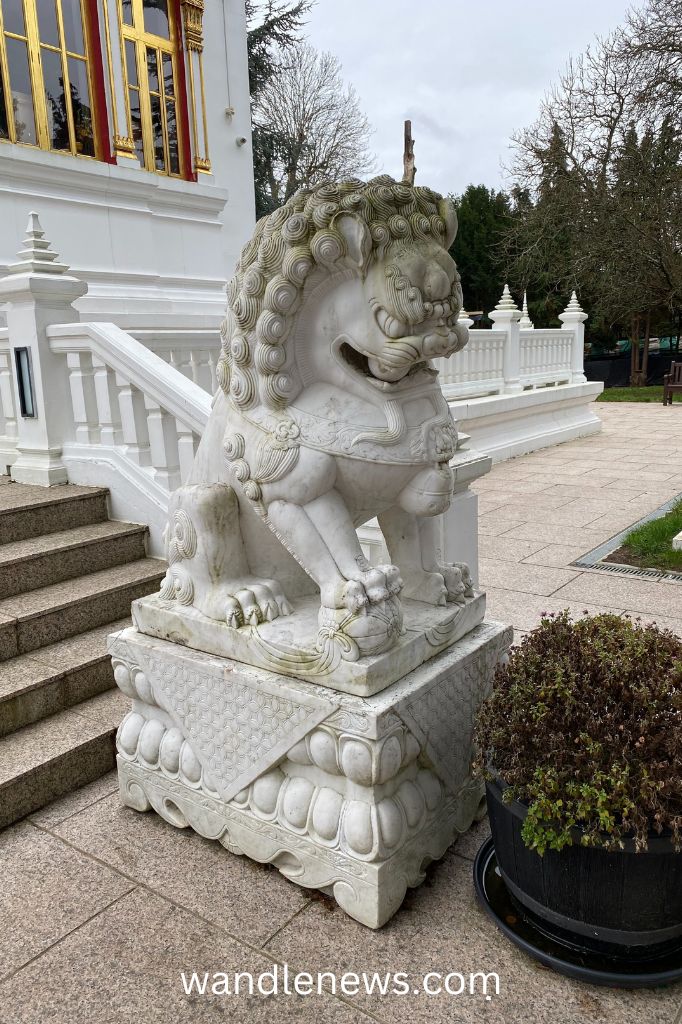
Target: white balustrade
x=545, y=357
x=483, y=367
x=194, y=353
x=134, y=422
x=477, y=369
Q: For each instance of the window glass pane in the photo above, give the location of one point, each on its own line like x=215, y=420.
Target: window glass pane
x=73, y=25
x=81, y=107
x=22, y=96
x=136, y=123
x=127, y=11
x=131, y=62
x=156, y=17
x=47, y=22
x=4, y=126
x=152, y=70
x=157, y=133
x=13, y=16
x=55, y=98
x=173, y=147
x=168, y=74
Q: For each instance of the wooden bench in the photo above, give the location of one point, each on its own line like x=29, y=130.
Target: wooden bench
x=672, y=382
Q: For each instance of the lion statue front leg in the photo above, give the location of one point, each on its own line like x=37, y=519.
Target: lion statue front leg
x=312, y=521
x=412, y=543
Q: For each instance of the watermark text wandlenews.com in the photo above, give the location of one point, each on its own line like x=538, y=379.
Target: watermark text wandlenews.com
x=279, y=980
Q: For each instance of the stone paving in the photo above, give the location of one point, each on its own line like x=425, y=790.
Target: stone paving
x=101, y=908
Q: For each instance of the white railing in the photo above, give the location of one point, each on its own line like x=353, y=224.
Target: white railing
x=194, y=353
x=134, y=422
x=546, y=357
x=477, y=369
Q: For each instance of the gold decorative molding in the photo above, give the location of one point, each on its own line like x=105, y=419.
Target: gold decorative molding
x=202, y=163
x=193, y=24
x=124, y=144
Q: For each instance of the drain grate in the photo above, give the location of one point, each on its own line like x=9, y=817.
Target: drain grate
x=598, y=557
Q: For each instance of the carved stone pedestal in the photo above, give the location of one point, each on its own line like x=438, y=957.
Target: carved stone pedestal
x=351, y=795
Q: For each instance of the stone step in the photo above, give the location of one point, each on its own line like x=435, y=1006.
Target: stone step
x=57, y=755
x=42, y=617
x=52, y=679
x=40, y=561
x=27, y=511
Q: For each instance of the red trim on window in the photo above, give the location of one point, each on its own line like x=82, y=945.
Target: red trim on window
x=182, y=107
x=99, y=98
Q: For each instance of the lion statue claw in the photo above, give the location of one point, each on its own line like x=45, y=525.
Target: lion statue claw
x=329, y=413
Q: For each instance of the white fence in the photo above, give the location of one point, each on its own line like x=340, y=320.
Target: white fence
x=194, y=353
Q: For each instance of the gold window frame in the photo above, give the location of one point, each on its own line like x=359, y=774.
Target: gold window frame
x=141, y=40
x=39, y=98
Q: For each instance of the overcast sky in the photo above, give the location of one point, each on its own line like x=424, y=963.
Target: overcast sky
x=467, y=72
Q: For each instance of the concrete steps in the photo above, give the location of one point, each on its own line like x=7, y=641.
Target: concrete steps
x=67, y=578
x=57, y=755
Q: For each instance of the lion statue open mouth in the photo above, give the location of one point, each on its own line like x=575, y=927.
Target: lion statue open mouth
x=329, y=414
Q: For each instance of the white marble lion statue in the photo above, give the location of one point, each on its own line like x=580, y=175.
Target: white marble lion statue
x=329, y=414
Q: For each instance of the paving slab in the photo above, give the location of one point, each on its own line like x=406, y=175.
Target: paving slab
x=624, y=592
x=441, y=929
x=527, y=579
x=124, y=967
x=558, y=555
x=249, y=900
x=47, y=890
x=52, y=814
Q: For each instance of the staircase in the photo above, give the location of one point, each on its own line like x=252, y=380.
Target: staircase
x=67, y=579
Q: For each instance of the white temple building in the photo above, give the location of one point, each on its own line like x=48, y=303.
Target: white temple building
x=126, y=125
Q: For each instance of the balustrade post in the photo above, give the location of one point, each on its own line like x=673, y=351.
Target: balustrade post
x=37, y=292
x=573, y=318
x=505, y=317
x=133, y=422
x=107, y=411
x=163, y=445
x=186, y=449
x=82, y=399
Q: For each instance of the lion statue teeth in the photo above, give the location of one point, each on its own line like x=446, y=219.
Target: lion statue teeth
x=329, y=413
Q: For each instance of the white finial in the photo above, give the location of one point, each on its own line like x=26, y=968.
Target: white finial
x=506, y=301
x=574, y=306
x=574, y=312
x=36, y=253
x=464, y=318
x=525, y=323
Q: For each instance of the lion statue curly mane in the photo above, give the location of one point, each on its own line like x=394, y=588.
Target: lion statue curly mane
x=329, y=414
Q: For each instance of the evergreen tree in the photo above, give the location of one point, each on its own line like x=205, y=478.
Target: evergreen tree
x=483, y=216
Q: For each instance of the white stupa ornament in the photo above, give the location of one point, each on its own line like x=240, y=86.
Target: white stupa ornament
x=574, y=306
x=36, y=253
x=525, y=323
x=464, y=318
x=506, y=301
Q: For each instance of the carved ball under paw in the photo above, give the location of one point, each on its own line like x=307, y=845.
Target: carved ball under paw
x=454, y=583
x=374, y=629
x=466, y=578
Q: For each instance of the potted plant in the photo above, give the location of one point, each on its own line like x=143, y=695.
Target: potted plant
x=581, y=746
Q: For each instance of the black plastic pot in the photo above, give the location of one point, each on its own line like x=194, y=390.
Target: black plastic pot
x=614, y=903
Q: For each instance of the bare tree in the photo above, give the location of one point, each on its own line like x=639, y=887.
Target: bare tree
x=599, y=179
x=320, y=129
